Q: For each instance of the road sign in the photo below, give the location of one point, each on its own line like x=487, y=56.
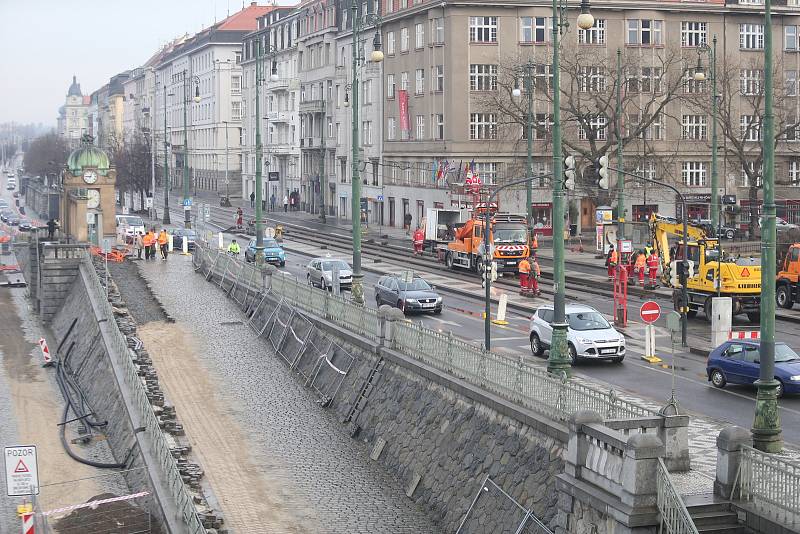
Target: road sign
x=673, y=321
x=22, y=471
x=650, y=311
x=187, y=201
x=207, y=212
x=380, y=198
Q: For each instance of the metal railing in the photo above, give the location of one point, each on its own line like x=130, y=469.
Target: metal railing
x=771, y=484
x=675, y=517
x=512, y=379
x=120, y=354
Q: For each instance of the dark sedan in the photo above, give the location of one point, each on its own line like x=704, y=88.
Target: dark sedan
x=737, y=362
x=25, y=224
x=408, y=294
x=13, y=220
x=179, y=235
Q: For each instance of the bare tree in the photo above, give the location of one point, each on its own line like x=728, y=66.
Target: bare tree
x=47, y=154
x=132, y=160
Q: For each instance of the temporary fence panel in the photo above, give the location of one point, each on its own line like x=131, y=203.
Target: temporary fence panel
x=492, y=501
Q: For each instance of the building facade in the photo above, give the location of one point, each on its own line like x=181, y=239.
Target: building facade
x=73, y=116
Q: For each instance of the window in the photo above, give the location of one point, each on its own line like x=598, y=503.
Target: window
x=693, y=34
x=543, y=77
x=437, y=30
x=790, y=42
x=482, y=77
x=592, y=80
x=542, y=125
x=419, y=35
x=744, y=178
x=645, y=169
x=437, y=126
x=420, y=126
x=482, y=126
x=644, y=80
x=694, y=127
x=596, y=35
x=750, y=81
x=438, y=78
x=404, y=81
x=391, y=128
x=594, y=128
x=330, y=128
x=419, y=82
x=390, y=42
x=794, y=173
x=751, y=127
x=654, y=131
x=390, y=86
x=791, y=82
x=366, y=92
x=692, y=86
x=487, y=172
x=751, y=36
x=645, y=32
x=366, y=133
x=236, y=111
x=534, y=29
x=693, y=173
x=236, y=85
x=483, y=29
x=403, y=40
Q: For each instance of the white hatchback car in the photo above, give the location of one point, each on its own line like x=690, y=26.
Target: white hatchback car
x=589, y=335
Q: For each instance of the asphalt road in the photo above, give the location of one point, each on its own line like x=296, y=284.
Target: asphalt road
x=733, y=404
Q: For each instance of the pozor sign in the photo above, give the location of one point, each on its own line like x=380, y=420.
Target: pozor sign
x=22, y=472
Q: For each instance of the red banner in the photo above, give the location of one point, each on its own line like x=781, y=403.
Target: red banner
x=402, y=103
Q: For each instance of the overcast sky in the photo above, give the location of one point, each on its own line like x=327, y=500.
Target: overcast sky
x=44, y=42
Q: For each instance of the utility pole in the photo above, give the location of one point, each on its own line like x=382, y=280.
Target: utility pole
x=227, y=193
x=766, y=430
x=357, y=288
x=153, y=152
x=187, y=209
x=259, y=259
x=529, y=135
x=618, y=128
x=322, y=182
x=715, y=204
x=165, y=219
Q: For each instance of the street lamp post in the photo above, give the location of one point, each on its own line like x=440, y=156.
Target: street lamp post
x=165, y=219
x=184, y=76
x=359, y=23
x=618, y=128
x=259, y=256
x=527, y=69
x=323, y=153
x=227, y=192
x=558, y=362
x=767, y=422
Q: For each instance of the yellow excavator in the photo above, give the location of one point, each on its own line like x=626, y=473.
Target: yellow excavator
x=742, y=283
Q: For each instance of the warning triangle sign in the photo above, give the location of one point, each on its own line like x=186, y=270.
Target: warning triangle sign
x=21, y=467
x=745, y=272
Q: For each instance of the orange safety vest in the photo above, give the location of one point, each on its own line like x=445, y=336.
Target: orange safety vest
x=535, y=243
x=652, y=261
x=524, y=267
x=613, y=257
x=419, y=237
x=640, y=261
x=148, y=239
x=162, y=238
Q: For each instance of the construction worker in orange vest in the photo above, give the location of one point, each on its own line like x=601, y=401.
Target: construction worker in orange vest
x=639, y=267
x=524, y=277
x=535, y=243
x=611, y=262
x=149, y=240
x=536, y=273
x=652, y=266
x=163, y=241
x=419, y=240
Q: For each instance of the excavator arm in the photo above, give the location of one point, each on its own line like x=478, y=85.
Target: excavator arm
x=661, y=228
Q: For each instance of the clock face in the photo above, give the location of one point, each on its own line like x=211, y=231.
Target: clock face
x=90, y=177
x=94, y=199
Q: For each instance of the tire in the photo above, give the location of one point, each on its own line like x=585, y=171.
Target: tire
x=730, y=234
x=401, y=307
x=283, y=264
x=437, y=312
x=691, y=314
x=618, y=359
x=754, y=317
x=717, y=378
x=322, y=284
x=779, y=392
x=573, y=354
x=448, y=260
x=708, y=308
x=479, y=265
x=783, y=297
x=536, y=345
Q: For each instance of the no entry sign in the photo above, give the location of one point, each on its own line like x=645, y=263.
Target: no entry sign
x=650, y=311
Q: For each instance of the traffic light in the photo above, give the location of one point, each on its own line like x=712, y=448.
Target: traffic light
x=674, y=269
x=493, y=272
x=683, y=272
x=569, y=173
x=690, y=269
x=602, y=172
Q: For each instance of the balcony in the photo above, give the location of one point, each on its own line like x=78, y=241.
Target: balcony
x=278, y=116
x=312, y=106
x=311, y=142
x=279, y=149
x=281, y=84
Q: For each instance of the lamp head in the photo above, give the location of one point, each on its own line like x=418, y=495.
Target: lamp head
x=346, y=100
x=516, y=93
x=585, y=20
x=699, y=74
x=197, y=94
x=376, y=56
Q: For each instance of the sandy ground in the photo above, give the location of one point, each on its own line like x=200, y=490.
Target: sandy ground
x=37, y=407
x=250, y=496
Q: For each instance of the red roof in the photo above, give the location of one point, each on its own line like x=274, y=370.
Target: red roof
x=246, y=19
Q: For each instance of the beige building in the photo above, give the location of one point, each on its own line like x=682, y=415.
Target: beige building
x=447, y=87
x=73, y=116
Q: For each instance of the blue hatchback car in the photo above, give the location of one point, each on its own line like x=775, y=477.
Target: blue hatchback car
x=736, y=362
x=273, y=253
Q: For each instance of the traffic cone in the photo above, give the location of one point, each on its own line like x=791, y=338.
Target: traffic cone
x=48, y=360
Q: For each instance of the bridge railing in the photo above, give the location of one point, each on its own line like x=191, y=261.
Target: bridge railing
x=675, y=518
x=771, y=484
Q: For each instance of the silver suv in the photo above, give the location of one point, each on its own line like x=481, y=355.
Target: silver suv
x=589, y=335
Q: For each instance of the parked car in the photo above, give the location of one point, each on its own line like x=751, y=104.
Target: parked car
x=13, y=220
x=183, y=233
x=320, y=273
x=5, y=214
x=273, y=253
x=725, y=231
x=414, y=296
x=589, y=334
x=130, y=225
x=737, y=362
x=25, y=224
x=780, y=224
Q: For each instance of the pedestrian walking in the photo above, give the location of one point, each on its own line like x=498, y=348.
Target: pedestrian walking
x=524, y=268
x=407, y=223
x=419, y=241
x=533, y=279
x=163, y=244
x=652, y=267
x=272, y=201
x=138, y=244
x=239, y=215
x=51, y=228
x=611, y=262
x=149, y=240
x=640, y=266
x=253, y=199
x=285, y=203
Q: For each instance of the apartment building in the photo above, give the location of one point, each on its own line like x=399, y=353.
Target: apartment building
x=279, y=105
x=73, y=116
x=447, y=87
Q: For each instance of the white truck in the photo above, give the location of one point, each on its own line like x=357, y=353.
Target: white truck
x=440, y=225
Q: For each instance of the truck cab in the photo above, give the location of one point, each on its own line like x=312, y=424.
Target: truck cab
x=787, y=287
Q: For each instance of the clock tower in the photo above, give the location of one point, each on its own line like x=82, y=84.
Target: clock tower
x=88, y=201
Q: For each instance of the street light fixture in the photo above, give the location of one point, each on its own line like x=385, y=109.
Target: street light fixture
x=527, y=71
x=187, y=79
x=359, y=22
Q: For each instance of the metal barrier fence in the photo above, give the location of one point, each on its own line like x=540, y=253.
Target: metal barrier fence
x=121, y=354
x=512, y=379
x=492, y=500
x=675, y=517
x=771, y=484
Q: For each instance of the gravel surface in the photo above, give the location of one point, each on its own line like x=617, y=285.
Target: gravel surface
x=135, y=292
x=328, y=476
